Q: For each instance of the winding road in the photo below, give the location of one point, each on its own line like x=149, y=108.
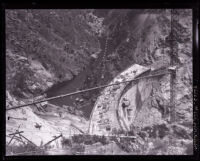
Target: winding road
x=105, y=112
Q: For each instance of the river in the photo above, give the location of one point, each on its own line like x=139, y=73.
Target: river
x=74, y=85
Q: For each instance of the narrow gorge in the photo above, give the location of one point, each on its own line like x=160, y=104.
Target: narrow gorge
x=59, y=51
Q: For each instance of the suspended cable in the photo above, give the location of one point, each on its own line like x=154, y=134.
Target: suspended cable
x=82, y=91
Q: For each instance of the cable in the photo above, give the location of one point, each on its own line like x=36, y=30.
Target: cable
x=86, y=90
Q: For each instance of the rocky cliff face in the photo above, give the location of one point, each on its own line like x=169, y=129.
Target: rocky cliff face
x=150, y=111
x=140, y=36
x=45, y=47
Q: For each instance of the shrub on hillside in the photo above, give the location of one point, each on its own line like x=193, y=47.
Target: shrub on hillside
x=66, y=142
x=23, y=149
x=78, y=148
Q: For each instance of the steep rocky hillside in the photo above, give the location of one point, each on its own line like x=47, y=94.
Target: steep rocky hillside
x=45, y=47
x=138, y=36
x=87, y=48
x=149, y=111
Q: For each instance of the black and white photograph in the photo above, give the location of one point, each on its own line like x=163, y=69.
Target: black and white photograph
x=99, y=82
